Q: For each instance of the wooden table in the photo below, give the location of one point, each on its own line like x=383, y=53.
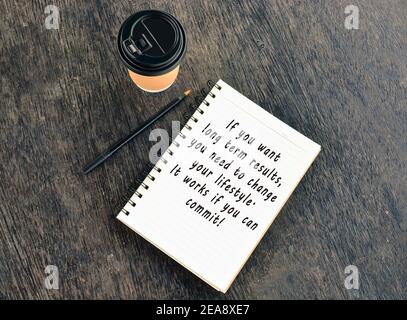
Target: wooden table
x=65, y=96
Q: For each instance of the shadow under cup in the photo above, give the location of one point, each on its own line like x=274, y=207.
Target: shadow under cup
x=151, y=45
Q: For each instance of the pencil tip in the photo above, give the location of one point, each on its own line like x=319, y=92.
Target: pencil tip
x=186, y=93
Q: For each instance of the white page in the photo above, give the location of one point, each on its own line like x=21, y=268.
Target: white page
x=168, y=213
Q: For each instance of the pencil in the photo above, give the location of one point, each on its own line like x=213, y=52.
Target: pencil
x=134, y=133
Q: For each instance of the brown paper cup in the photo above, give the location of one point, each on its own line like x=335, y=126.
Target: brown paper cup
x=154, y=83
x=151, y=45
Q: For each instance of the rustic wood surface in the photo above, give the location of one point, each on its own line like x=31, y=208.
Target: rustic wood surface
x=65, y=96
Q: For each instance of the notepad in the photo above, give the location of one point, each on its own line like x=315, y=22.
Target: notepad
x=215, y=192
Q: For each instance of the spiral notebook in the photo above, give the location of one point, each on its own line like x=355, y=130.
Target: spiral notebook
x=217, y=189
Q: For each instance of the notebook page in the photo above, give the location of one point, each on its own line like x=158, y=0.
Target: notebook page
x=220, y=190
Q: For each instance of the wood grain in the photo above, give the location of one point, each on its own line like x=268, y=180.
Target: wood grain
x=65, y=97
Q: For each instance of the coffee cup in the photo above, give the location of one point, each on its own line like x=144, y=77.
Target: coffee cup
x=152, y=44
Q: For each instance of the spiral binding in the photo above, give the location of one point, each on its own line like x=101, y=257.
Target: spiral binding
x=157, y=169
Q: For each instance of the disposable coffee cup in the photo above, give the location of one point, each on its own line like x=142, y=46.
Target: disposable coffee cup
x=152, y=44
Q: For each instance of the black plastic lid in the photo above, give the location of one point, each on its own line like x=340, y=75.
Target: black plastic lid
x=151, y=42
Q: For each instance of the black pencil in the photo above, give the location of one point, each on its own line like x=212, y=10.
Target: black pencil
x=115, y=147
